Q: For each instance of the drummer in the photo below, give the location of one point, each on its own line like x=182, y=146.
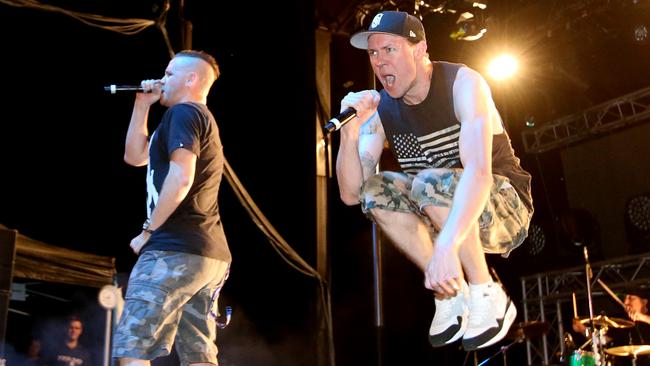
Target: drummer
x=636, y=307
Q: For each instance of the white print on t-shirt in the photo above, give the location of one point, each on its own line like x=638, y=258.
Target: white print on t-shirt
x=71, y=361
x=152, y=193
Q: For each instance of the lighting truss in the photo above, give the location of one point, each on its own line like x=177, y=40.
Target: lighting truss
x=597, y=120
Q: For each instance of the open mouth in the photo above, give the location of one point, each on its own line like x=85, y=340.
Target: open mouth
x=389, y=80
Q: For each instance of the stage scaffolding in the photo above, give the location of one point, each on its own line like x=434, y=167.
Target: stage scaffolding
x=544, y=295
x=603, y=118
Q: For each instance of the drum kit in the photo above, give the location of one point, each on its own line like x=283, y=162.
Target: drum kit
x=595, y=351
x=584, y=357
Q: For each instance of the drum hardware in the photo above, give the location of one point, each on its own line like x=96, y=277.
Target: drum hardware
x=518, y=333
x=527, y=330
x=595, y=332
x=604, y=321
x=597, y=328
x=629, y=351
x=582, y=358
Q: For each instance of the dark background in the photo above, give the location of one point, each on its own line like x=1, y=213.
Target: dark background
x=64, y=181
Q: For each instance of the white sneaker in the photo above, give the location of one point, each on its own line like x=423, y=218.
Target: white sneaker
x=491, y=313
x=450, y=320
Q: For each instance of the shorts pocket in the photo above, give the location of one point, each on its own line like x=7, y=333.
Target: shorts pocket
x=146, y=292
x=145, y=304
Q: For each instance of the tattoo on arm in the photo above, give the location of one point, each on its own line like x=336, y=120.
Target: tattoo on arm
x=371, y=126
x=368, y=164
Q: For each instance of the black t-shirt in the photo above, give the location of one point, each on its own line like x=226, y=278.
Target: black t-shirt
x=195, y=226
x=63, y=356
x=426, y=135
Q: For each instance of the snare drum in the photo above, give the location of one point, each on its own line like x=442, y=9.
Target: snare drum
x=582, y=358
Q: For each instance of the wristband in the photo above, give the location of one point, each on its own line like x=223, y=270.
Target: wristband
x=145, y=227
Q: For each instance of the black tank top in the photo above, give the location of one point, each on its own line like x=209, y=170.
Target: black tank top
x=426, y=135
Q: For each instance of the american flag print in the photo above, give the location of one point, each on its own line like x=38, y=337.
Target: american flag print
x=435, y=150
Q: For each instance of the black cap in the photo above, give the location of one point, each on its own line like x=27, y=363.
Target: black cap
x=638, y=290
x=397, y=23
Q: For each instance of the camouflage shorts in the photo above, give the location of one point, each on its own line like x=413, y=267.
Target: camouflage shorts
x=503, y=224
x=171, y=299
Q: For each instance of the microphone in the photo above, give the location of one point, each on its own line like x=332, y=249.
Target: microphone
x=113, y=89
x=222, y=321
x=337, y=122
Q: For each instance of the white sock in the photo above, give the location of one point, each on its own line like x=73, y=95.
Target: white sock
x=481, y=287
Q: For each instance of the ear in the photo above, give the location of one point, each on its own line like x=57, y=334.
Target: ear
x=191, y=78
x=421, y=48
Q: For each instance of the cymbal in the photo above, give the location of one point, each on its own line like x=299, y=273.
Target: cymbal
x=528, y=330
x=603, y=320
x=632, y=350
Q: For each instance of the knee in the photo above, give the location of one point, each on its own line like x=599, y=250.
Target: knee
x=433, y=185
x=373, y=183
x=127, y=361
x=380, y=216
x=437, y=215
x=429, y=176
x=433, y=191
x=385, y=184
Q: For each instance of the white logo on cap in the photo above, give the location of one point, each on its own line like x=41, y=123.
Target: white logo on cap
x=412, y=34
x=376, y=20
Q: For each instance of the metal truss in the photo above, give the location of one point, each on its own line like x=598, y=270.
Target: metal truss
x=602, y=118
x=545, y=293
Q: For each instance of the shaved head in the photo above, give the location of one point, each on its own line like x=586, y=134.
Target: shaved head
x=188, y=78
x=202, y=63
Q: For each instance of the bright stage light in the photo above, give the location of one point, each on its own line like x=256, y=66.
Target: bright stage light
x=640, y=33
x=503, y=67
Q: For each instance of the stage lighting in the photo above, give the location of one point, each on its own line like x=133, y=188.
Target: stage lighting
x=638, y=211
x=640, y=33
x=530, y=121
x=637, y=223
x=470, y=28
x=480, y=5
x=536, y=239
x=503, y=67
